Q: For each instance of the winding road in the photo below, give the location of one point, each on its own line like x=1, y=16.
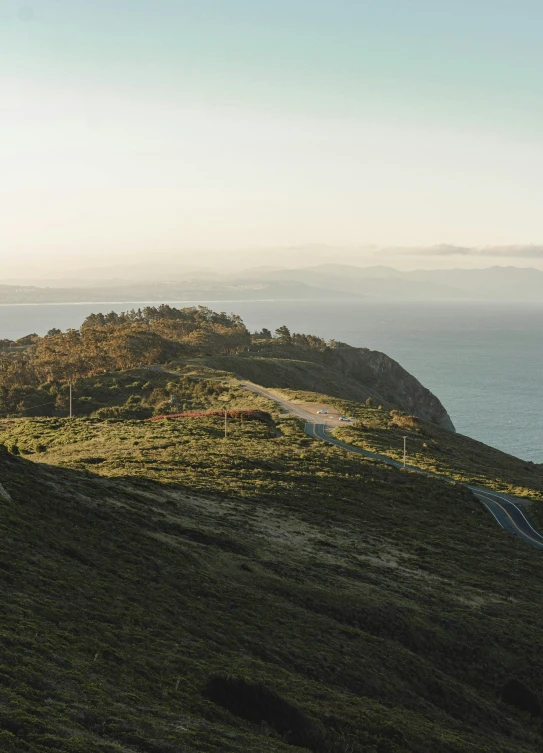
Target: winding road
x=505, y=509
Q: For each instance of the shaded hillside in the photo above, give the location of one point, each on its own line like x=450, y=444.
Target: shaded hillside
x=370, y=609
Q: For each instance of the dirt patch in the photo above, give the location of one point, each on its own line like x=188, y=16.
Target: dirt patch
x=330, y=419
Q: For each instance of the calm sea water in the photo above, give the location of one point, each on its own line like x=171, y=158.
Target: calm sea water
x=484, y=361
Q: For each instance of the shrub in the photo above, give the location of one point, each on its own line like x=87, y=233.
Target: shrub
x=404, y=422
x=515, y=693
x=256, y=703
x=111, y=412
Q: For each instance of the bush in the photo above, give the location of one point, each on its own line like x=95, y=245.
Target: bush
x=411, y=423
x=132, y=409
x=7, y=741
x=515, y=693
x=255, y=703
x=112, y=412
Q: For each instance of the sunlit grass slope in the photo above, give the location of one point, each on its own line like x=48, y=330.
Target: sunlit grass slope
x=440, y=451
x=380, y=430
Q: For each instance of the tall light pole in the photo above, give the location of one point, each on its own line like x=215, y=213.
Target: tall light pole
x=404, y=450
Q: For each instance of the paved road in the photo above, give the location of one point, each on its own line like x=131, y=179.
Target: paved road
x=506, y=510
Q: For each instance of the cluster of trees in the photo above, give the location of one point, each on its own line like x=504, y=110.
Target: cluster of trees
x=187, y=319
x=283, y=336
x=34, y=371
x=115, y=342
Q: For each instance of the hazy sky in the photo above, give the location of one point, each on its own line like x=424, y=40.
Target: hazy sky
x=134, y=129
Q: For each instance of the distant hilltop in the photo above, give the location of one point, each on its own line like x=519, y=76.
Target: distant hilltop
x=324, y=281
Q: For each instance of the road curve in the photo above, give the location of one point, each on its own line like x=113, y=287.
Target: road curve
x=506, y=510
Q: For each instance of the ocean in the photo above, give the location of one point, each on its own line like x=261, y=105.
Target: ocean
x=483, y=360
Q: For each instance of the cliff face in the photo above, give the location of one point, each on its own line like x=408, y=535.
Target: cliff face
x=385, y=380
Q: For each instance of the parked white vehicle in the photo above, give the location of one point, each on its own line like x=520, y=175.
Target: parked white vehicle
x=322, y=411
x=344, y=418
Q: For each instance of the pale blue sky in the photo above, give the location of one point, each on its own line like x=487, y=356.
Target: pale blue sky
x=129, y=128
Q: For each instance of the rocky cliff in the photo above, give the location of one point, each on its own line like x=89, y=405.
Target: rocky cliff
x=387, y=381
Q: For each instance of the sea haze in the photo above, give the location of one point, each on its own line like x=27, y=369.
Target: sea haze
x=483, y=360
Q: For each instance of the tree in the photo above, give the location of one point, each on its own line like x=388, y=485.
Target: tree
x=264, y=334
x=299, y=340
x=316, y=342
x=283, y=335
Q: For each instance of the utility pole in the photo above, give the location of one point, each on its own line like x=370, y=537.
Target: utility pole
x=404, y=450
x=71, y=390
x=225, y=423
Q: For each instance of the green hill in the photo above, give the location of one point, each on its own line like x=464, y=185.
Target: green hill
x=35, y=371
x=167, y=590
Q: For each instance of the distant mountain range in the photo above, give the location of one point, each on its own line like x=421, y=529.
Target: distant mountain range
x=322, y=281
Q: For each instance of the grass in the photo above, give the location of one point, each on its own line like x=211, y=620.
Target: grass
x=437, y=450
x=430, y=447
x=145, y=564
x=167, y=590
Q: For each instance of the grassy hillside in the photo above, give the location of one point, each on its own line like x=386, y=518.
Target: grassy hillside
x=36, y=372
x=380, y=430
x=453, y=455
x=166, y=590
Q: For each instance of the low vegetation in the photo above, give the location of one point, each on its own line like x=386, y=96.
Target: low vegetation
x=147, y=566
x=440, y=451
x=168, y=590
x=380, y=430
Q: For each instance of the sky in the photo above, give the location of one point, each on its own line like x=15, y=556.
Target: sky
x=405, y=132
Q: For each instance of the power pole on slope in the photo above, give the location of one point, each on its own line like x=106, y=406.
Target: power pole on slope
x=404, y=450
x=225, y=423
